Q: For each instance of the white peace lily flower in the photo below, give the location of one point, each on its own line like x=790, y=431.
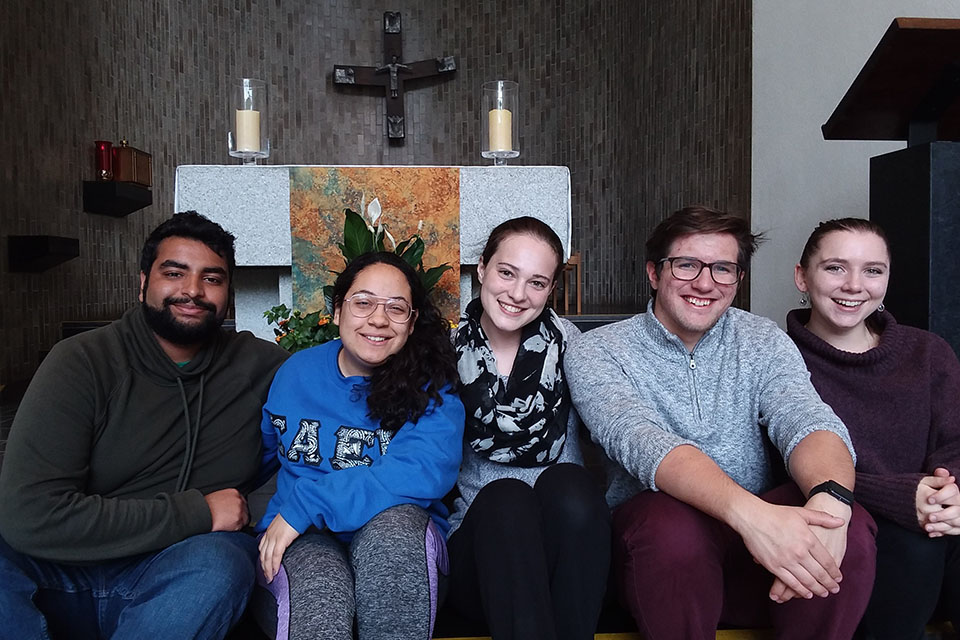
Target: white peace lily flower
x=374, y=212
x=390, y=238
x=363, y=212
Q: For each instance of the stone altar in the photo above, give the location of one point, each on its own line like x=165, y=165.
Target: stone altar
x=253, y=203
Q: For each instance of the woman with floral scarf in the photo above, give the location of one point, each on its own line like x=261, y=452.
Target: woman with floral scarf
x=529, y=549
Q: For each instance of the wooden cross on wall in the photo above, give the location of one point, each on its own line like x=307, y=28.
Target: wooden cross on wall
x=393, y=73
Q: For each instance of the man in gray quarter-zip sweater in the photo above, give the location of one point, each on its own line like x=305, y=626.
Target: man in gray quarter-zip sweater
x=698, y=405
x=122, y=492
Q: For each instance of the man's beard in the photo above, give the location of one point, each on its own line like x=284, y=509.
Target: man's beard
x=169, y=328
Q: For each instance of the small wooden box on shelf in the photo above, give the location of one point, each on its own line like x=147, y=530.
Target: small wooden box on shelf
x=132, y=165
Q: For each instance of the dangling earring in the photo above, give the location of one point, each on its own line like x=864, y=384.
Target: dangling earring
x=881, y=308
x=803, y=299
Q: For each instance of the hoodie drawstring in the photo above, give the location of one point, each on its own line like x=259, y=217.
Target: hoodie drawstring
x=192, y=436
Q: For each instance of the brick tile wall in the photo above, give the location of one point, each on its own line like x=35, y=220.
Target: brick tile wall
x=648, y=103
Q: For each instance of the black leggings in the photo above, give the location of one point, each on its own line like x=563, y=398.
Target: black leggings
x=533, y=562
x=914, y=572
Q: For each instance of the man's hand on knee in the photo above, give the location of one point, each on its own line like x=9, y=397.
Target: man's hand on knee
x=834, y=539
x=784, y=541
x=228, y=510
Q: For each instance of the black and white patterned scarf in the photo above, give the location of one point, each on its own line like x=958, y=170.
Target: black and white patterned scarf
x=522, y=422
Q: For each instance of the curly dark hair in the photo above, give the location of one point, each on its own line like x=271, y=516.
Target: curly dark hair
x=401, y=388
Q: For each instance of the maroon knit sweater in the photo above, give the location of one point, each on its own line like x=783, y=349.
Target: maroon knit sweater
x=901, y=403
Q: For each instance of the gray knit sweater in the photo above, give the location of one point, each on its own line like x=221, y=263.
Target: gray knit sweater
x=476, y=471
x=641, y=393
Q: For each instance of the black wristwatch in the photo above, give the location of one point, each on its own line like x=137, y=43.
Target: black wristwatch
x=835, y=489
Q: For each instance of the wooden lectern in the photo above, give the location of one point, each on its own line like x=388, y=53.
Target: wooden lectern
x=909, y=89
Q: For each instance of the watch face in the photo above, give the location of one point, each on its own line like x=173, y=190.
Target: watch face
x=836, y=490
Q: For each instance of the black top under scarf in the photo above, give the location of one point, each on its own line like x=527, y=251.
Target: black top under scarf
x=521, y=421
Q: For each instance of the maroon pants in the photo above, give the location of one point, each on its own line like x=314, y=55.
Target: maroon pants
x=681, y=573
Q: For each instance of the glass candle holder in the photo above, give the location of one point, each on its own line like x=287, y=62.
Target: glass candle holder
x=248, y=137
x=103, y=156
x=498, y=121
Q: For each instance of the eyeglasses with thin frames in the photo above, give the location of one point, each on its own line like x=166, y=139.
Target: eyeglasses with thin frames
x=722, y=272
x=362, y=305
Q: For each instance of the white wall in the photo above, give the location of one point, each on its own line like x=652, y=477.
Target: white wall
x=805, y=55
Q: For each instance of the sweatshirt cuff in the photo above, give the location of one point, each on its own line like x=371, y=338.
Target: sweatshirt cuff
x=297, y=517
x=663, y=449
x=194, y=511
x=891, y=497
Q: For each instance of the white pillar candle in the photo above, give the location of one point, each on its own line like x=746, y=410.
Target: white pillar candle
x=248, y=130
x=501, y=130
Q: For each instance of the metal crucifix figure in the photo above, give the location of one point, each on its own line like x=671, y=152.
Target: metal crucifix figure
x=393, y=73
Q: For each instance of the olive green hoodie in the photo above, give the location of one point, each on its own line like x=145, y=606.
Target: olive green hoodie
x=114, y=445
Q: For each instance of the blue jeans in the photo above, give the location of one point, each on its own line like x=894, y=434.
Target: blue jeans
x=196, y=588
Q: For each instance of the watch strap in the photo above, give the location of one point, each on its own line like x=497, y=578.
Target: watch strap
x=835, y=489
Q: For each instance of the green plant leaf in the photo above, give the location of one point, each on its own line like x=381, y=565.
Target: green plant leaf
x=414, y=253
x=328, y=298
x=357, y=239
x=431, y=276
x=275, y=314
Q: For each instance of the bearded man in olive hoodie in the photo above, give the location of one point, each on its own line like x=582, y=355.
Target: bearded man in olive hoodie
x=122, y=491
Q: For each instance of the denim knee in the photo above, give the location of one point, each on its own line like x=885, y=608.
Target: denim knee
x=22, y=619
x=221, y=562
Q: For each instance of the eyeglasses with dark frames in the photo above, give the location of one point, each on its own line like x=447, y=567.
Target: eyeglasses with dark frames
x=722, y=272
x=362, y=305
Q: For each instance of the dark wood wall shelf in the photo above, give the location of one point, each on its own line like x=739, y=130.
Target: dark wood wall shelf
x=115, y=199
x=34, y=254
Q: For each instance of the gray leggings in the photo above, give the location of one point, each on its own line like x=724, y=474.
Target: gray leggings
x=388, y=577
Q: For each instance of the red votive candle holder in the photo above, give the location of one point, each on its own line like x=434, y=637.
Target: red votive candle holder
x=104, y=159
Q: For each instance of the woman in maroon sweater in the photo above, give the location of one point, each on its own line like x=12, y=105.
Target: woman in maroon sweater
x=897, y=389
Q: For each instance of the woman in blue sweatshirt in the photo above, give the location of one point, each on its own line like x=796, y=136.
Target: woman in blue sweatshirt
x=367, y=430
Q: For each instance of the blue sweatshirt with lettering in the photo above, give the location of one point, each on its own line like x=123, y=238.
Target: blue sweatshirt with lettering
x=339, y=467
